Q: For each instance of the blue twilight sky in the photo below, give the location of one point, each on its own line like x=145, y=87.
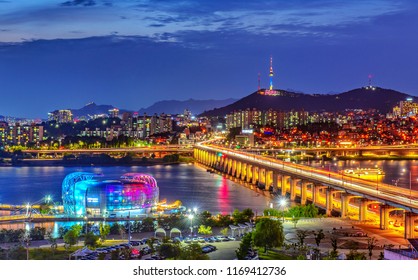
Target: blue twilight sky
x=132, y=53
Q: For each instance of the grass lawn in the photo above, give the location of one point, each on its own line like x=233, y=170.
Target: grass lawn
x=272, y=255
x=47, y=254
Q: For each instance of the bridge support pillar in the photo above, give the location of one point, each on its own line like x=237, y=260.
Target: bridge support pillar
x=233, y=168
x=243, y=173
x=315, y=193
x=239, y=169
x=344, y=206
x=269, y=179
x=284, y=184
x=384, y=216
x=255, y=175
x=262, y=177
x=275, y=182
x=249, y=172
x=329, y=199
x=363, y=210
x=293, y=185
x=303, y=192
x=409, y=225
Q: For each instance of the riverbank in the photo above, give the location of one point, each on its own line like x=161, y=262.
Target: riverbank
x=74, y=163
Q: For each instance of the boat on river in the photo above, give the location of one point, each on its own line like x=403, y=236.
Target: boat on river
x=365, y=173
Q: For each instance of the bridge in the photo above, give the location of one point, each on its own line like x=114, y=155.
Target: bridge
x=325, y=189
x=163, y=149
x=384, y=150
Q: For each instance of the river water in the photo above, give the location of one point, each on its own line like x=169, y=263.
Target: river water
x=190, y=184
x=402, y=173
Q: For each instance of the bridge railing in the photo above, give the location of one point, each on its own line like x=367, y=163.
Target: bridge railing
x=385, y=191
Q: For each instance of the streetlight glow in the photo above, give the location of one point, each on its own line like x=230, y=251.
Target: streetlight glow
x=191, y=216
x=283, y=203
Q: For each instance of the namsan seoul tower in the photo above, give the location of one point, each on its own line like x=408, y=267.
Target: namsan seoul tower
x=271, y=74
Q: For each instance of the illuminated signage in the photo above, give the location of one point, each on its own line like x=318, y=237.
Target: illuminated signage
x=270, y=92
x=92, y=199
x=247, y=131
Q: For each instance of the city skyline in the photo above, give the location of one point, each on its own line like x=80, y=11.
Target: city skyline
x=131, y=54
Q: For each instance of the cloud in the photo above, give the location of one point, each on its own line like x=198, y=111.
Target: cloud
x=316, y=18
x=85, y=3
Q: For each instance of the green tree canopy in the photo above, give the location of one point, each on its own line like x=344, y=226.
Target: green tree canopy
x=104, y=231
x=205, y=230
x=71, y=237
x=91, y=240
x=244, y=246
x=192, y=252
x=268, y=233
x=170, y=250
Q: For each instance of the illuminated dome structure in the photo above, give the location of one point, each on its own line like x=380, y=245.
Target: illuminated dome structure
x=83, y=193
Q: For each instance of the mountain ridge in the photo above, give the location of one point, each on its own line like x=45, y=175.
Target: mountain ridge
x=360, y=98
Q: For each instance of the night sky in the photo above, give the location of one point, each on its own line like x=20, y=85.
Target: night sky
x=130, y=54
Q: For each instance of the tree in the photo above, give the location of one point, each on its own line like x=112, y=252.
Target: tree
x=91, y=240
x=192, y=252
x=77, y=229
x=114, y=255
x=302, y=234
x=248, y=214
x=371, y=243
x=115, y=228
x=295, y=221
x=61, y=232
x=148, y=224
x=244, y=246
x=205, y=218
x=224, y=231
x=319, y=236
x=205, y=230
x=355, y=255
x=52, y=240
x=310, y=211
x=170, y=250
x=334, y=243
x=37, y=233
x=224, y=220
x=271, y=212
x=71, y=237
x=104, y=230
x=150, y=243
x=333, y=255
x=126, y=252
x=237, y=217
x=268, y=233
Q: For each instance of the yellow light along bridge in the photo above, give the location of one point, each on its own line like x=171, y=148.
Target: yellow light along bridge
x=325, y=189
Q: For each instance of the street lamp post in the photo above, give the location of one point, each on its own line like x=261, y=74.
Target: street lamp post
x=283, y=205
x=87, y=223
x=410, y=185
x=191, y=223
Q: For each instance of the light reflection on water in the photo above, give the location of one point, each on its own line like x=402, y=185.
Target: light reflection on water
x=188, y=183
x=396, y=171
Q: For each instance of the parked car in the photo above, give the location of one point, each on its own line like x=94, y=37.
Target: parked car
x=135, y=243
x=208, y=248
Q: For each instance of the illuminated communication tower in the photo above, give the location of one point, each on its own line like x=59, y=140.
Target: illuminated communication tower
x=370, y=86
x=271, y=74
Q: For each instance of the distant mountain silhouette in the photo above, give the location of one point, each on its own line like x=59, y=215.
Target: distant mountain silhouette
x=360, y=98
x=92, y=109
x=166, y=106
x=178, y=107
